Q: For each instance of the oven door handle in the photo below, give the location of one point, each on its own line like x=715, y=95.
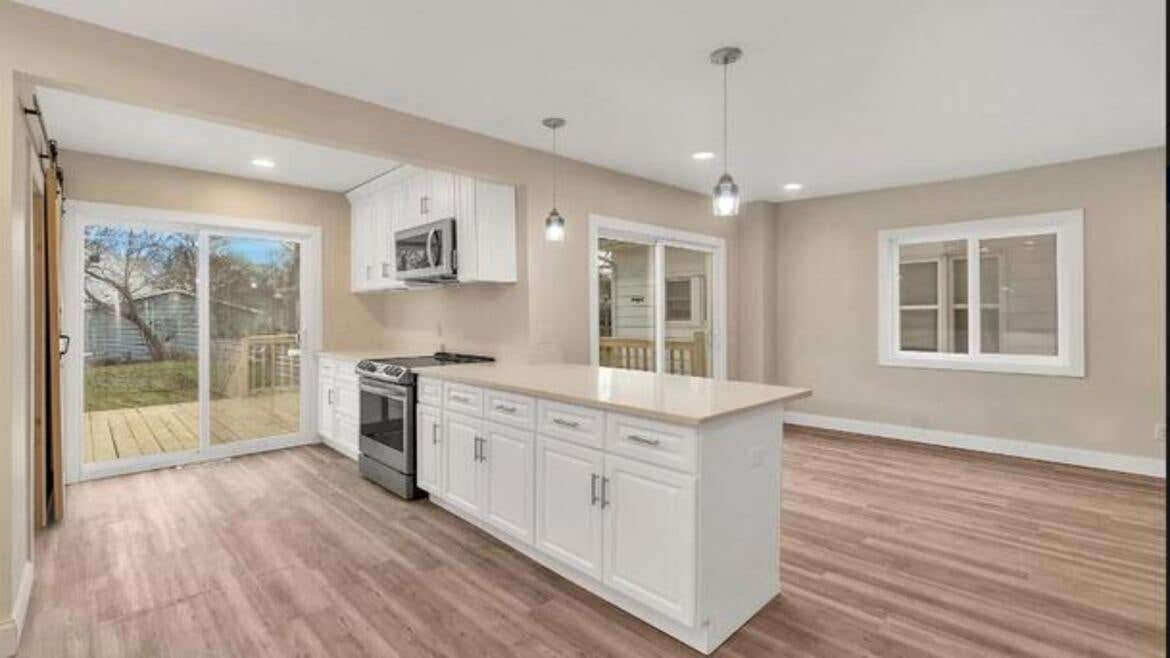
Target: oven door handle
x=386, y=392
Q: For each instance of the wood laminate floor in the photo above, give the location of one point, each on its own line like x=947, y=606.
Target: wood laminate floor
x=888, y=549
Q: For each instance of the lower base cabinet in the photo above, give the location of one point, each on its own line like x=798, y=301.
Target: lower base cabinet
x=649, y=536
x=489, y=472
x=630, y=525
x=338, y=402
x=461, y=458
x=506, y=466
x=612, y=502
x=428, y=449
x=568, y=504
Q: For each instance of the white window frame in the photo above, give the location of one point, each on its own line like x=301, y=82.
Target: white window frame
x=1066, y=225
x=660, y=237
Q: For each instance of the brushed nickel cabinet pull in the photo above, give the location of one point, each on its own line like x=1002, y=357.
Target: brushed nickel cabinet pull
x=593, y=489
x=566, y=423
x=505, y=408
x=604, y=492
x=642, y=439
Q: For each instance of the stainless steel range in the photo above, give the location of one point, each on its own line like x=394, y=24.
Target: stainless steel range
x=387, y=434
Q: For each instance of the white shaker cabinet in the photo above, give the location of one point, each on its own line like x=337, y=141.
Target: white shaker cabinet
x=650, y=535
x=326, y=414
x=409, y=196
x=674, y=521
x=489, y=472
x=338, y=401
x=568, y=504
x=461, y=450
x=507, y=476
x=428, y=448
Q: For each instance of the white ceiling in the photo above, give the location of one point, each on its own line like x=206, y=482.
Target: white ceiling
x=841, y=95
x=96, y=125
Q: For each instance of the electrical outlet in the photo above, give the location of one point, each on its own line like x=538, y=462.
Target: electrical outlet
x=1160, y=432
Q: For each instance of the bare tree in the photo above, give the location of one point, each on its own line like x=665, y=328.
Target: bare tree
x=122, y=265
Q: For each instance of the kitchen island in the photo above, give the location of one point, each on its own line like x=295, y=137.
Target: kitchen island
x=657, y=493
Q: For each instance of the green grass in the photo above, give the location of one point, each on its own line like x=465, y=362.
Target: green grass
x=142, y=384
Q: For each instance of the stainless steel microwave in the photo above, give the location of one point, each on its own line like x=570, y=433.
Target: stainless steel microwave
x=426, y=254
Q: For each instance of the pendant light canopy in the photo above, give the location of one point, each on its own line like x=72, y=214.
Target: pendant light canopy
x=725, y=197
x=554, y=224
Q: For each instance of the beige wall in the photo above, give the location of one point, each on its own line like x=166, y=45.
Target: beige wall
x=352, y=321
x=826, y=251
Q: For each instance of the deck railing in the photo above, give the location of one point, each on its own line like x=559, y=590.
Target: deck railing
x=257, y=364
x=681, y=357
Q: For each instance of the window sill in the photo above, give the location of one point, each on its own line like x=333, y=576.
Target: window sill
x=1007, y=364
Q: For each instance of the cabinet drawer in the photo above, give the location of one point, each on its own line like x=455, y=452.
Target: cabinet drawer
x=430, y=391
x=510, y=409
x=668, y=445
x=464, y=399
x=570, y=422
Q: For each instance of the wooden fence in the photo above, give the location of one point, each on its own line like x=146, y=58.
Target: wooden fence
x=682, y=357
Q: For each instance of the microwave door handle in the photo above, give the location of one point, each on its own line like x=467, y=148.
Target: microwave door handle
x=430, y=250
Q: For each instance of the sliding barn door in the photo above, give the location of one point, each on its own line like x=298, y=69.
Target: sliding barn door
x=56, y=344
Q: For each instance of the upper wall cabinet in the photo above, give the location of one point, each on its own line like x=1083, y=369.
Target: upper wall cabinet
x=485, y=226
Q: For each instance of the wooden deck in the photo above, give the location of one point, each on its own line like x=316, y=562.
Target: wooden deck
x=137, y=431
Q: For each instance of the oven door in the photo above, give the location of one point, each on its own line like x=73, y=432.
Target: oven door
x=426, y=253
x=387, y=424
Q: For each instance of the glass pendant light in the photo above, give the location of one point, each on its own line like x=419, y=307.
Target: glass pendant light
x=725, y=197
x=554, y=224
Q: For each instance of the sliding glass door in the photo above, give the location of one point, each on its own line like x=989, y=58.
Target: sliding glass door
x=657, y=297
x=141, y=343
x=190, y=339
x=255, y=316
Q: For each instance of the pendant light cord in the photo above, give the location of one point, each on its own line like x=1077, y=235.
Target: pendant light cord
x=725, y=164
x=555, y=167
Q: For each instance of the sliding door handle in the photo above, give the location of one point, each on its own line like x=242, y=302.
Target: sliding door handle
x=68, y=341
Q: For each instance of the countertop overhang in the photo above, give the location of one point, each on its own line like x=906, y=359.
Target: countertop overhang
x=670, y=398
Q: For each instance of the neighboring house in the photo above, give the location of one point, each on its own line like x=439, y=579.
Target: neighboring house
x=171, y=314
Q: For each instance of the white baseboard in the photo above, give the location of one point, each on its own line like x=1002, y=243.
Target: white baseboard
x=10, y=629
x=348, y=451
x=1109, y=461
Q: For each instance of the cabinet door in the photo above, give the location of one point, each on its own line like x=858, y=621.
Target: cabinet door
x=650, y=536
x=441, y=199
x=568, y=508
x=506, y=467
x=460, y=439
x=379, y=239
x=418, y=189
x=360, y=223
x=428, y=430
x=325, y=398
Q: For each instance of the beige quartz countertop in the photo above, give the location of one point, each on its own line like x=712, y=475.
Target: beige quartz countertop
x=672, y=398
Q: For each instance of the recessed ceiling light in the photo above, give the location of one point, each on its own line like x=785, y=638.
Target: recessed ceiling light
x=263, y=162
x=793, y=187
x=703, y=155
